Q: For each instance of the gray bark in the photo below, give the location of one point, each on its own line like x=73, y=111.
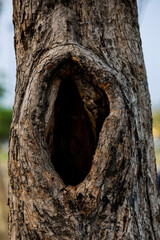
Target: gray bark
x=81, y=158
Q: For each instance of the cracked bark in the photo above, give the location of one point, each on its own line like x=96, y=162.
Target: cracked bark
x=81, y=153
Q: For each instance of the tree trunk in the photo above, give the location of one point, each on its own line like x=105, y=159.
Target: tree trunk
x=81, y=158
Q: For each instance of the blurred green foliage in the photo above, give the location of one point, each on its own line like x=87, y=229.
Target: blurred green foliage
x=156, y=124
x=5, y=122
x=1, y=91
x=158, y=157
x=156, y=134
x=3, y=155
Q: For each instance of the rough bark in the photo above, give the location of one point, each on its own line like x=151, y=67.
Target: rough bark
x=80, y=64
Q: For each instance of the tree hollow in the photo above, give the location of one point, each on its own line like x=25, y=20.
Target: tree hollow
x=73, y=138
x=78, y=118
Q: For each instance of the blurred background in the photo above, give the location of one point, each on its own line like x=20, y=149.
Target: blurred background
x=149, y=19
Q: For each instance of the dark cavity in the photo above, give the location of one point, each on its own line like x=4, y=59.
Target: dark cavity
x=74, y=136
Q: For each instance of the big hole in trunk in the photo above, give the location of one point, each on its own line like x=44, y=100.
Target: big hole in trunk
x=75, y=132
x=73, y=139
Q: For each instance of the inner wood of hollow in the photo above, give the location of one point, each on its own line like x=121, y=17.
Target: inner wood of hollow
x=74, y=136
